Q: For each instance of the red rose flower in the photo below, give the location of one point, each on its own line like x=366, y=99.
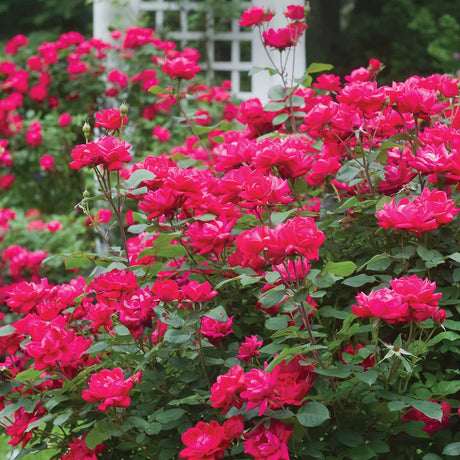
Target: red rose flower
x=181, y=67
x=110, y=119
x=255, y=16
x=268, y=443
x=215, y=330
x=204, y=442
x=110, y=388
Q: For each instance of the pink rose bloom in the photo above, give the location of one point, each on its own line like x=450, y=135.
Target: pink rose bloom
x=204, y=442
x=109, y=119
x=255, y=16
x=234, y=427
x=383, y=303
x=268, y=443
x=162, y=134
x=406, y=215
x=181, y=67
x=110, y=388
x=295, y=12
x=224, y=392
x=64, y=119
x=215, y=330
x=419, y=294
x=194, y=291
x=47, y=162
x=78, y=450
x=53, y=226
x=249, y=348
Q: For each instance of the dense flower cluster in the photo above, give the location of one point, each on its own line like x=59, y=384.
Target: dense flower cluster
x=225, y=319
x=409, y=299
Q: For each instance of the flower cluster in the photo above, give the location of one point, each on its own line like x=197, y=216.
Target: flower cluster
x=222, y=319
x=409, y=299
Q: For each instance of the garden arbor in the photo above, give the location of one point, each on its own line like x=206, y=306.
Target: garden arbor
x=229, y=51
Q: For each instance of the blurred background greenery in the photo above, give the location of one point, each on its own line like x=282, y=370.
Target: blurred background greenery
x=410, y=36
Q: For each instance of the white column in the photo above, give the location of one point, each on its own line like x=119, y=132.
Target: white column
x=262, y=81
x=115, y=14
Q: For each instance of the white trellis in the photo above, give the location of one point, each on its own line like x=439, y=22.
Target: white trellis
x=242, y=49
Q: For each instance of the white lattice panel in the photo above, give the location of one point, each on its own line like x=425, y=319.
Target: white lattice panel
x=229, y=54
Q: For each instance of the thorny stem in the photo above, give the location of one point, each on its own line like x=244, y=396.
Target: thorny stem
x=117, y=208
x=200, y=352
x=190, y=122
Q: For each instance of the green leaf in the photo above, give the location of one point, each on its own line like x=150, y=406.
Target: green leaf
x=277, y=93
x=379, y=262
x=428, y=408
x=218, y=313
x=158, y=90
x=330, y=312
x=136, y=422
x=448, y=335
x=97, y=435
x=455, y=257
x=368, y=377
x=452, y=449
x=276, y=323
x=279, y=217
x=137, y=228
x=359, y=280
x=272, y=277
x=340, y=268
x=350, y=438
x=139, y=176
x=98, y=347
x=208, y=217
x=63, y=417
x=316, y=67
x=447, y=388
x=431, y=257
x=313, y=414
x=280, y=118
x=122, y=330
x=274, y=106
x=76, y=261
x=169, y=416
x=431, y=457
x=247, y=280
x=348, y=172
x=176, y=336
x=7, y=330
x=172, y=250
x=339, y=372
x=452, y=325
x=273, y=297
x=29, y=374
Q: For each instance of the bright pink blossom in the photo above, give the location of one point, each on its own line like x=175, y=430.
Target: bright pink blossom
x=249, y=348
x=78, y=450
x=268, y=443
x=110, y=119
x=383, y=303
x=110, y=388
x=255, y=16
x=225, y=391
x=181, y=68
x=204, y=442
x=47, y=162
x=215, y=330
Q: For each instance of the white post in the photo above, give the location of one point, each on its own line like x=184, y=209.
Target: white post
x=113, y=13
x=262, y=81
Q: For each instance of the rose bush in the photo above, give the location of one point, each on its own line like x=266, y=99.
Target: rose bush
x=286, y=286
